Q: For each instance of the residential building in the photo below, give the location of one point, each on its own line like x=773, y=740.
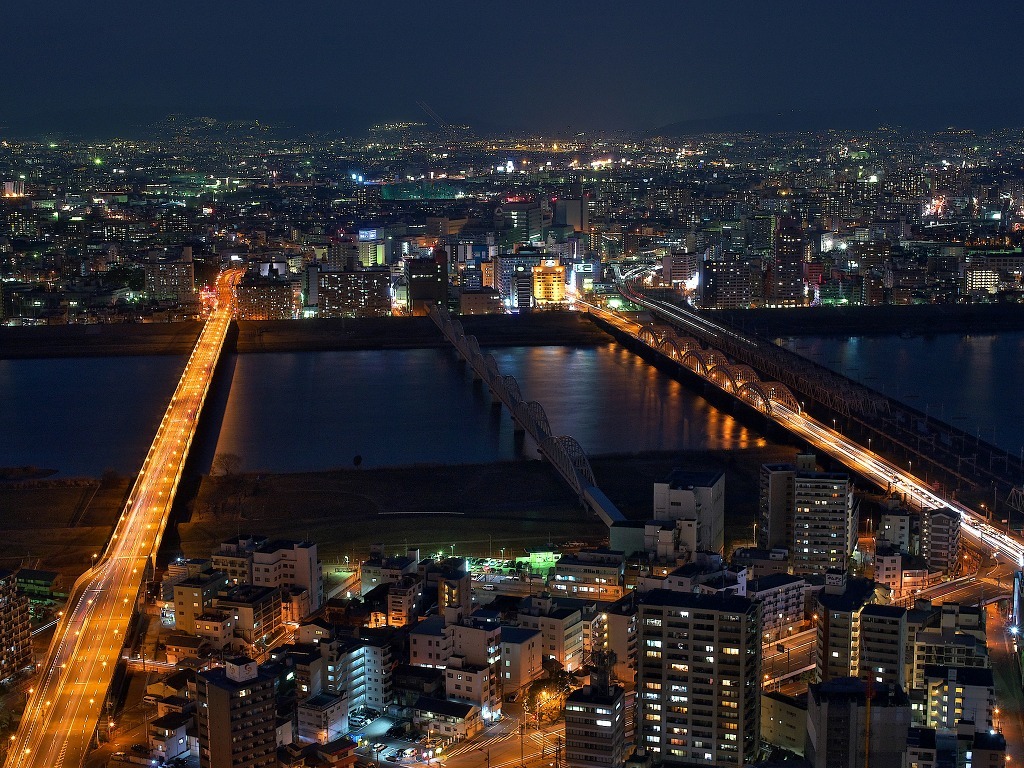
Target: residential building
x=698, y=678
x=194, y=596
x=15, y=636
x=521, y=660
x=824, y=521
x=838, y=607
x=955, y=694
x=384, y=570
x=322, y=718
x=284, y=563
x=782, y=604
x=170, y=279
x=591, y=573
x=561, y=630
x=595, y=727
x=940, y=539
x=355, y=293
x=883, y=645
x=235, y=706
x=698, y=496
x=845, y=731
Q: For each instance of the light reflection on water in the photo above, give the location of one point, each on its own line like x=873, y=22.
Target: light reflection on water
x=316, y=410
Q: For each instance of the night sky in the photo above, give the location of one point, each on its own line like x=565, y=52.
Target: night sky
x=560, y=65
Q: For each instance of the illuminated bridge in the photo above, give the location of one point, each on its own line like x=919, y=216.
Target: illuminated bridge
x=777, y=402
x=61, y=718
x=565, y=454
x=939, y=451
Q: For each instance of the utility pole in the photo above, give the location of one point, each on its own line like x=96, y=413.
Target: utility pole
x=522, y=753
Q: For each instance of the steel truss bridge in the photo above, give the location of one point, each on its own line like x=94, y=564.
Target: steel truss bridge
x=963, y=460
x=775, y=401
x=564, y=453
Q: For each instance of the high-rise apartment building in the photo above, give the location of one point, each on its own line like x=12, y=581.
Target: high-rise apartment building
x=170, y=279
x=595, y=723
x=15, y=639
x=810, y=513
x=236, y=716
x=698, y=678
x=838, y=606
x=940, y=538
x=359, y=293
x=844, y=730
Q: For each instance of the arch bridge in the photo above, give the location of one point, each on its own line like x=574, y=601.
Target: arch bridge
x=563, y=452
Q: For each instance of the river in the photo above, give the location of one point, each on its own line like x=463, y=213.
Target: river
x=972, y=381
x=310, y=411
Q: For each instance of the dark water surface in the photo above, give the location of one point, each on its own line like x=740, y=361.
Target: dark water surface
x=82, y=416
x=317, y=410
x=974, y=382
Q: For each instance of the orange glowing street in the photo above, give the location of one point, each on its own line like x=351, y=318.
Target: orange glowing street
x=69, y=695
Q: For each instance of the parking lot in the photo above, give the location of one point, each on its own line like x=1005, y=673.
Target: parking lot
x=384, y=741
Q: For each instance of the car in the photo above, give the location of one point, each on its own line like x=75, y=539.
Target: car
x=410, y=751
x=393, y=755
x=379, y=747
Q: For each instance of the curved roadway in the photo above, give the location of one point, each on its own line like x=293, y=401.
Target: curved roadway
x=69, y=695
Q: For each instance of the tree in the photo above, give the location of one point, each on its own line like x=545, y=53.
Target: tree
x=226, y=464
x=357, y=460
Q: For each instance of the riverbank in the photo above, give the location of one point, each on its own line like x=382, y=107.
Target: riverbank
x=476, y=507
x=336, y=334
x=535, y=329
x=114, y=340
x=914, y=320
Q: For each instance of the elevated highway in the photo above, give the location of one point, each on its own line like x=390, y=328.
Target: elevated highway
x=69, y=695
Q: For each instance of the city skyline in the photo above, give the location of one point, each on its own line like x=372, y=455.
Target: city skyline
x=582, y=67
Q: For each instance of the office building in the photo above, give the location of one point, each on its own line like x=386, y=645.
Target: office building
x=236, y=716
x=549, y=283
x=427, y=279
x=698, y=678
x=844, y=730
x=522, y=221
